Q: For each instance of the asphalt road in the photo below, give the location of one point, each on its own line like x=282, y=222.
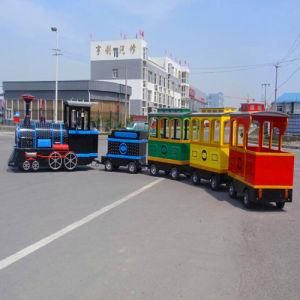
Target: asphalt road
x=168, y=241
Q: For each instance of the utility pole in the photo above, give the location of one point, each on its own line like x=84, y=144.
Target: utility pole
x=264, y=85
x=56, y=53
x=125, y=95
x=276, y=77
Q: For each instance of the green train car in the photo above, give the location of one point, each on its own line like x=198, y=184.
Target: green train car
x=169, y=141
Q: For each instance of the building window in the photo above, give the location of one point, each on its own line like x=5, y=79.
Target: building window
x=116, y=52
x=145, y=53
x=144, y=93
x=115, y=73
x=155, y=80
x=159, y=82
x=149, y=95
x=149, y=76
x=9, y=114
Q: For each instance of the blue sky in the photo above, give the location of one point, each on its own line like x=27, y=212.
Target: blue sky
x=212, y=36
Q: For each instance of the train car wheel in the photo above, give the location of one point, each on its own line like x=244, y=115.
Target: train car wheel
x=174, y=173
x=231, y=190
x=70, y=161
x=280, y=205
x=153, y=170
x=196, y=178
x=55, y=161
x=246, y=199
x=215, y=182
x=35, y=165
x=108, y=165
x=132, y=168
x=26, y=165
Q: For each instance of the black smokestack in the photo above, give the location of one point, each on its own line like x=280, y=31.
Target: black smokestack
x=27, y=99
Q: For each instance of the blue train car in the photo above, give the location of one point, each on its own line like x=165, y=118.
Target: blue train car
x=55, y=145
x=126, y=148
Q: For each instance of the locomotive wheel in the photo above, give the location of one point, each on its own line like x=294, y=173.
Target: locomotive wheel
x=196, y=178
x=26, y=165
x=280, y=205
x=108, y=165
x=35, y=165
x=246, y=199
x=231, y=190
x=154, y=170
x=215, y=182
x=132, y=168
x=55, y=161
x=174, y=173
x=70, y=161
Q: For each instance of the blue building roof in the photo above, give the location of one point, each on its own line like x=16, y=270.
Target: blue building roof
x=289, y=97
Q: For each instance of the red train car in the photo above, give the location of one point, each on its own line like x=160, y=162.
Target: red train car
x=259, y=169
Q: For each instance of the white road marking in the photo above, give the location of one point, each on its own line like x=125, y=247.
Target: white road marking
x=49, y=239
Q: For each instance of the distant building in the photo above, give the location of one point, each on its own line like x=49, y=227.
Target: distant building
x=289, y=103
x=108, y=110
x=197, y=99
x=155, y=81
x=215, y=99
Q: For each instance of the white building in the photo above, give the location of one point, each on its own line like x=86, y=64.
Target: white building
x=155, y=81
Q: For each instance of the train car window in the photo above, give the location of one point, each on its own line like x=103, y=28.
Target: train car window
x=253, y=134
x=276, y=139
x=226, y=134
x=240, y=135
x=73, y=119
x=205, y=126
x=195, y=130
x=233, y=133
x=86, y=120
x=266, y=134
x=186, y=132
x=176, y=129
x=164, y=128
x=216, y=131
x=153, y=127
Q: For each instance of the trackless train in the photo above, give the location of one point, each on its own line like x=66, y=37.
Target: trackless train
x=62, y=145
x=240, y=149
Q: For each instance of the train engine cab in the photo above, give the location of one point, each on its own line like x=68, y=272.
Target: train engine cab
x=259, y=170
x=55, y=145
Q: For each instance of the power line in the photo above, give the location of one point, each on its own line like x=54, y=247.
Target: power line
x=229, y=69
x=293, y=47
x=293, y=73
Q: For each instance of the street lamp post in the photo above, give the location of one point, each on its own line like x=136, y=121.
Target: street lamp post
x=56, y=53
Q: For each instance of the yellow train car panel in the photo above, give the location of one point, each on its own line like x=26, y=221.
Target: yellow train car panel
x=209, y=148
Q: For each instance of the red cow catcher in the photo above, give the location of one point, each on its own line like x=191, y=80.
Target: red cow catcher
x=258, y=168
